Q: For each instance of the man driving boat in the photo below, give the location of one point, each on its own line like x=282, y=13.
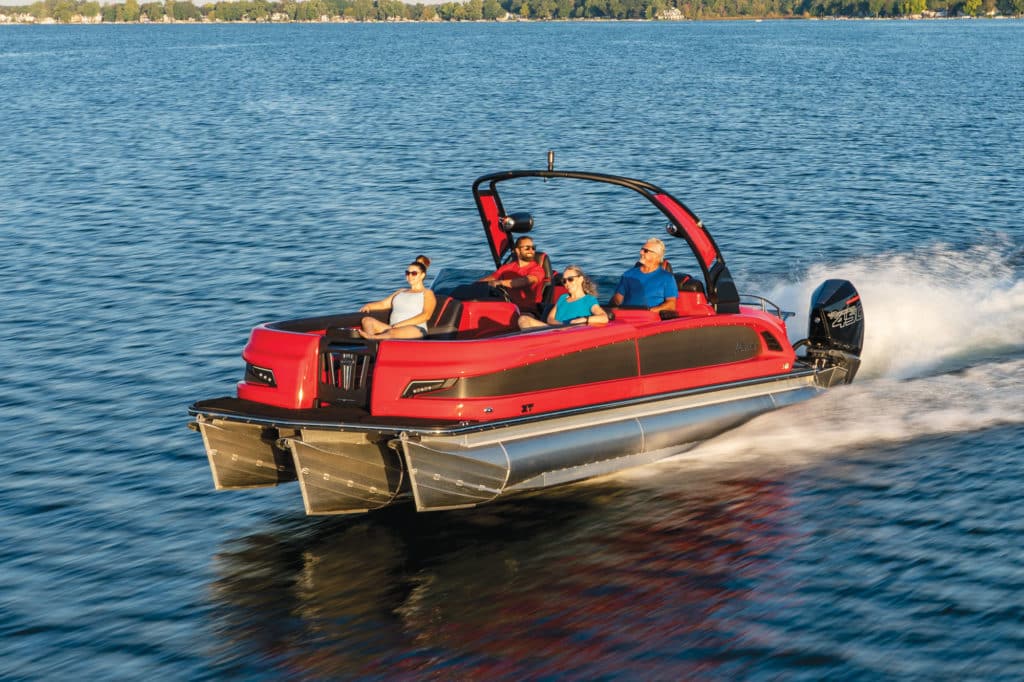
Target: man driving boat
x=523, y=276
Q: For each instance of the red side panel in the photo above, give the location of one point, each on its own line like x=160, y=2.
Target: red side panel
x=631, y=316
x=499, y=239
x=702, y=244
x=536, y=356
x=292, y=357
x=399, y=362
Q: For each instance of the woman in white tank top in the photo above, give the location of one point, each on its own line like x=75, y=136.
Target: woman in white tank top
x=410, y=308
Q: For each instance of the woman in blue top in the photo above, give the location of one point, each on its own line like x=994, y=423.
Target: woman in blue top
x=577, y=307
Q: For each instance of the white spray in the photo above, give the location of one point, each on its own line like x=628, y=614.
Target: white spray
x=943, y=345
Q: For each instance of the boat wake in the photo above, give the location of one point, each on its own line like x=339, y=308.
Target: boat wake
x=928, y=312
x=871, y=414
x=943, y=354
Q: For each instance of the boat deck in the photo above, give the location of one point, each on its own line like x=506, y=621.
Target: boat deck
x=330, y=417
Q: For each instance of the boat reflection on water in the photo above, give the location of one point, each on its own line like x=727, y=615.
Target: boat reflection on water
x=595, y=580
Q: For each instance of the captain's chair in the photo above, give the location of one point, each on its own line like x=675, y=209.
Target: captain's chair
x=691, y=299
x=547, y=290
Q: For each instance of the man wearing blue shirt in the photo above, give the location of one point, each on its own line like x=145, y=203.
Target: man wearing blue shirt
x=648, y=284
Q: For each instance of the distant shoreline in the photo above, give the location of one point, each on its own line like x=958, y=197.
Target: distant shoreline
x=20, y=20
x=492, y=11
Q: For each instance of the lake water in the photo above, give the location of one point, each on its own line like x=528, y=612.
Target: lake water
x=165, y=188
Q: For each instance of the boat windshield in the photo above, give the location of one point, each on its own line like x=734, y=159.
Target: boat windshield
x=449, y=278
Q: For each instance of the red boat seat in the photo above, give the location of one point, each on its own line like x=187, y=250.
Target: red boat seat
x=691, y=299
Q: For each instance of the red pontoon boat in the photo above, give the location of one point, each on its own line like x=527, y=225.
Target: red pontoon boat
x=479, y=409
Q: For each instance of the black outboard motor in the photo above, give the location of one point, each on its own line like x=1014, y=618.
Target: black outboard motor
x=835, y=332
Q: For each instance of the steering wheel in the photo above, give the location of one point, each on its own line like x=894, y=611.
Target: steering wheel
x=500, y=293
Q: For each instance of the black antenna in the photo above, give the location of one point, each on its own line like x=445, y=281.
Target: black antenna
x=551, y=160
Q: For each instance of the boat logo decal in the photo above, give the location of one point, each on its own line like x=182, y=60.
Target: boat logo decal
x=845, y=317
x=527, y=408
x=744, y=347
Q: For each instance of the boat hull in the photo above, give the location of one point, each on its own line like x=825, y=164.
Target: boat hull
x=245, y=455
x=450, y=472
x=344, y=472
x=347, y=468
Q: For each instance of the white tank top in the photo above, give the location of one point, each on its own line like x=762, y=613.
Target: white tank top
x=406, y=304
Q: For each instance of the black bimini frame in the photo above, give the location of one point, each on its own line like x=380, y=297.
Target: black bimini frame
x=683, y=223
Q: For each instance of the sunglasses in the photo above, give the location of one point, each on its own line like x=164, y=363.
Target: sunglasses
x=571, y=278
x=644, y=249
x=410, y=273
x=527, y=247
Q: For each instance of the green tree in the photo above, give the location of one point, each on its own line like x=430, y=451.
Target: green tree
x=316, y=10
x=364, y=9
x=448, y=11
x=63, y=10
x=259, y=11
x=543, y=9
x=131, y=10
x=40, y=10
x=492, y=9
x=392, y=9
x=154, y=11
x=89, y=9
x=186, y=11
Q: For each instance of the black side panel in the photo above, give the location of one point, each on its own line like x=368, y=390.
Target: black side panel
x=603, y=363
x=700, y=347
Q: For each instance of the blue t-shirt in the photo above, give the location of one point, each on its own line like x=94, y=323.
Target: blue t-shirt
x=646, y=289
x=566, y=310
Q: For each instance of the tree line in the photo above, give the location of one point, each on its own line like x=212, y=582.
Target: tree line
x=71, y=11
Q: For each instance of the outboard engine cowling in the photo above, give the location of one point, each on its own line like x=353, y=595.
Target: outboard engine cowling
x=835, y=333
